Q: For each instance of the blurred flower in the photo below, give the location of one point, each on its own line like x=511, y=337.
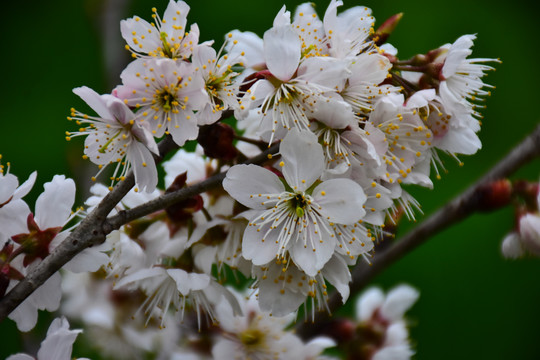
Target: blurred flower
x=58, y=344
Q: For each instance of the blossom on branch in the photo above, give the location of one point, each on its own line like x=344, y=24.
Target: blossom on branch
x=118, y=136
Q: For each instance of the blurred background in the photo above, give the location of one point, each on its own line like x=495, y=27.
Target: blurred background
x=473, y=304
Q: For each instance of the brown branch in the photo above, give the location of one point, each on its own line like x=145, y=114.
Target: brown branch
x=89, y=232
x=95, y=227
x=461, y=207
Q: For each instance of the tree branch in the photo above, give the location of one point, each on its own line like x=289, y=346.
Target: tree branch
x=95, y=227
x=456, y=210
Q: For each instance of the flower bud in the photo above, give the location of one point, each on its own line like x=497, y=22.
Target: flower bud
x=217, y=141
x=511, y=246
x=494, y=195
x=383, y=32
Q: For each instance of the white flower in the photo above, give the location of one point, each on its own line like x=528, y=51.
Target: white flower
x=254, y=335
x=166, y=94
x=167, y=37
x=46, y=297
x=13, y=210
x=461, y=81
x=219, y=77
x=58, y=344
x=294, y=218
x=283, y=287
x=347, y=34
x=527, y=237
x=39, y=237
x=116, y=136
x=362, y=90
x=406, y=142
x=385, y=316
x=176, y=287
x=293, y=83
x=193, y=164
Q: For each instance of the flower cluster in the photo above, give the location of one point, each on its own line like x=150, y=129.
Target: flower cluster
x=348, y=125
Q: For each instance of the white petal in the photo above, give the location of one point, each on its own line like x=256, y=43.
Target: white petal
x=141, y=27
x=279, y=303
x=25, y=187
x=312, y=256
x=529, y=229
x=283, y=18
x=13, y=218
x=248, y=43
x=400, y=352
x=329, y=72
x=282, y=51
x=20, y=357
x=58, y=344
x=342, y=200
x=511, y=246
x=25, y=316
x=94, y=100
x=368, y=303
x=336, y=272
x=175, y=18
x=204, y=258
x=88, y=260
x=246, y=182
x=8, y=186
x=144, y=166
x=303, y=159
x=370, y=68
x=53, y=206
x=47, y=296
x=460, y=140
x=334, y=113
x=255, y=249
x=141, y=275
x=225, y=349
x=398, y=301
x=183, y=129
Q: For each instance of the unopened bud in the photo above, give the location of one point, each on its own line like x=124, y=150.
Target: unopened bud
x=511, y=246
x=494, y=195
x=383, y=32
x=217, y=141
x=342, y=330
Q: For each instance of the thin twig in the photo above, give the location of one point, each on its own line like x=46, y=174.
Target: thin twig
x=456, y=210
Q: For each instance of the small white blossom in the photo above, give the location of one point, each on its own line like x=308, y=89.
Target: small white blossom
x=165, y=37
x=295, y=217
x=117, y=136
x=58, y=344
x=166, y=94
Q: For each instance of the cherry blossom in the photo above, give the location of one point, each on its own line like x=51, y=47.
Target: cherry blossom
x=295, y=217
x=116, y=136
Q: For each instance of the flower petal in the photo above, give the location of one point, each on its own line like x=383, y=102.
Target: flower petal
x=25, y=187
x=282, y=51
x=303, y=159
x=249, y=183
x=260, y=245
x=143, y=165
x=53, y=206
x=341, y=200
x=95, y=101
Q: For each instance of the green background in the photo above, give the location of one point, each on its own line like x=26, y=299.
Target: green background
x=474, y=304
